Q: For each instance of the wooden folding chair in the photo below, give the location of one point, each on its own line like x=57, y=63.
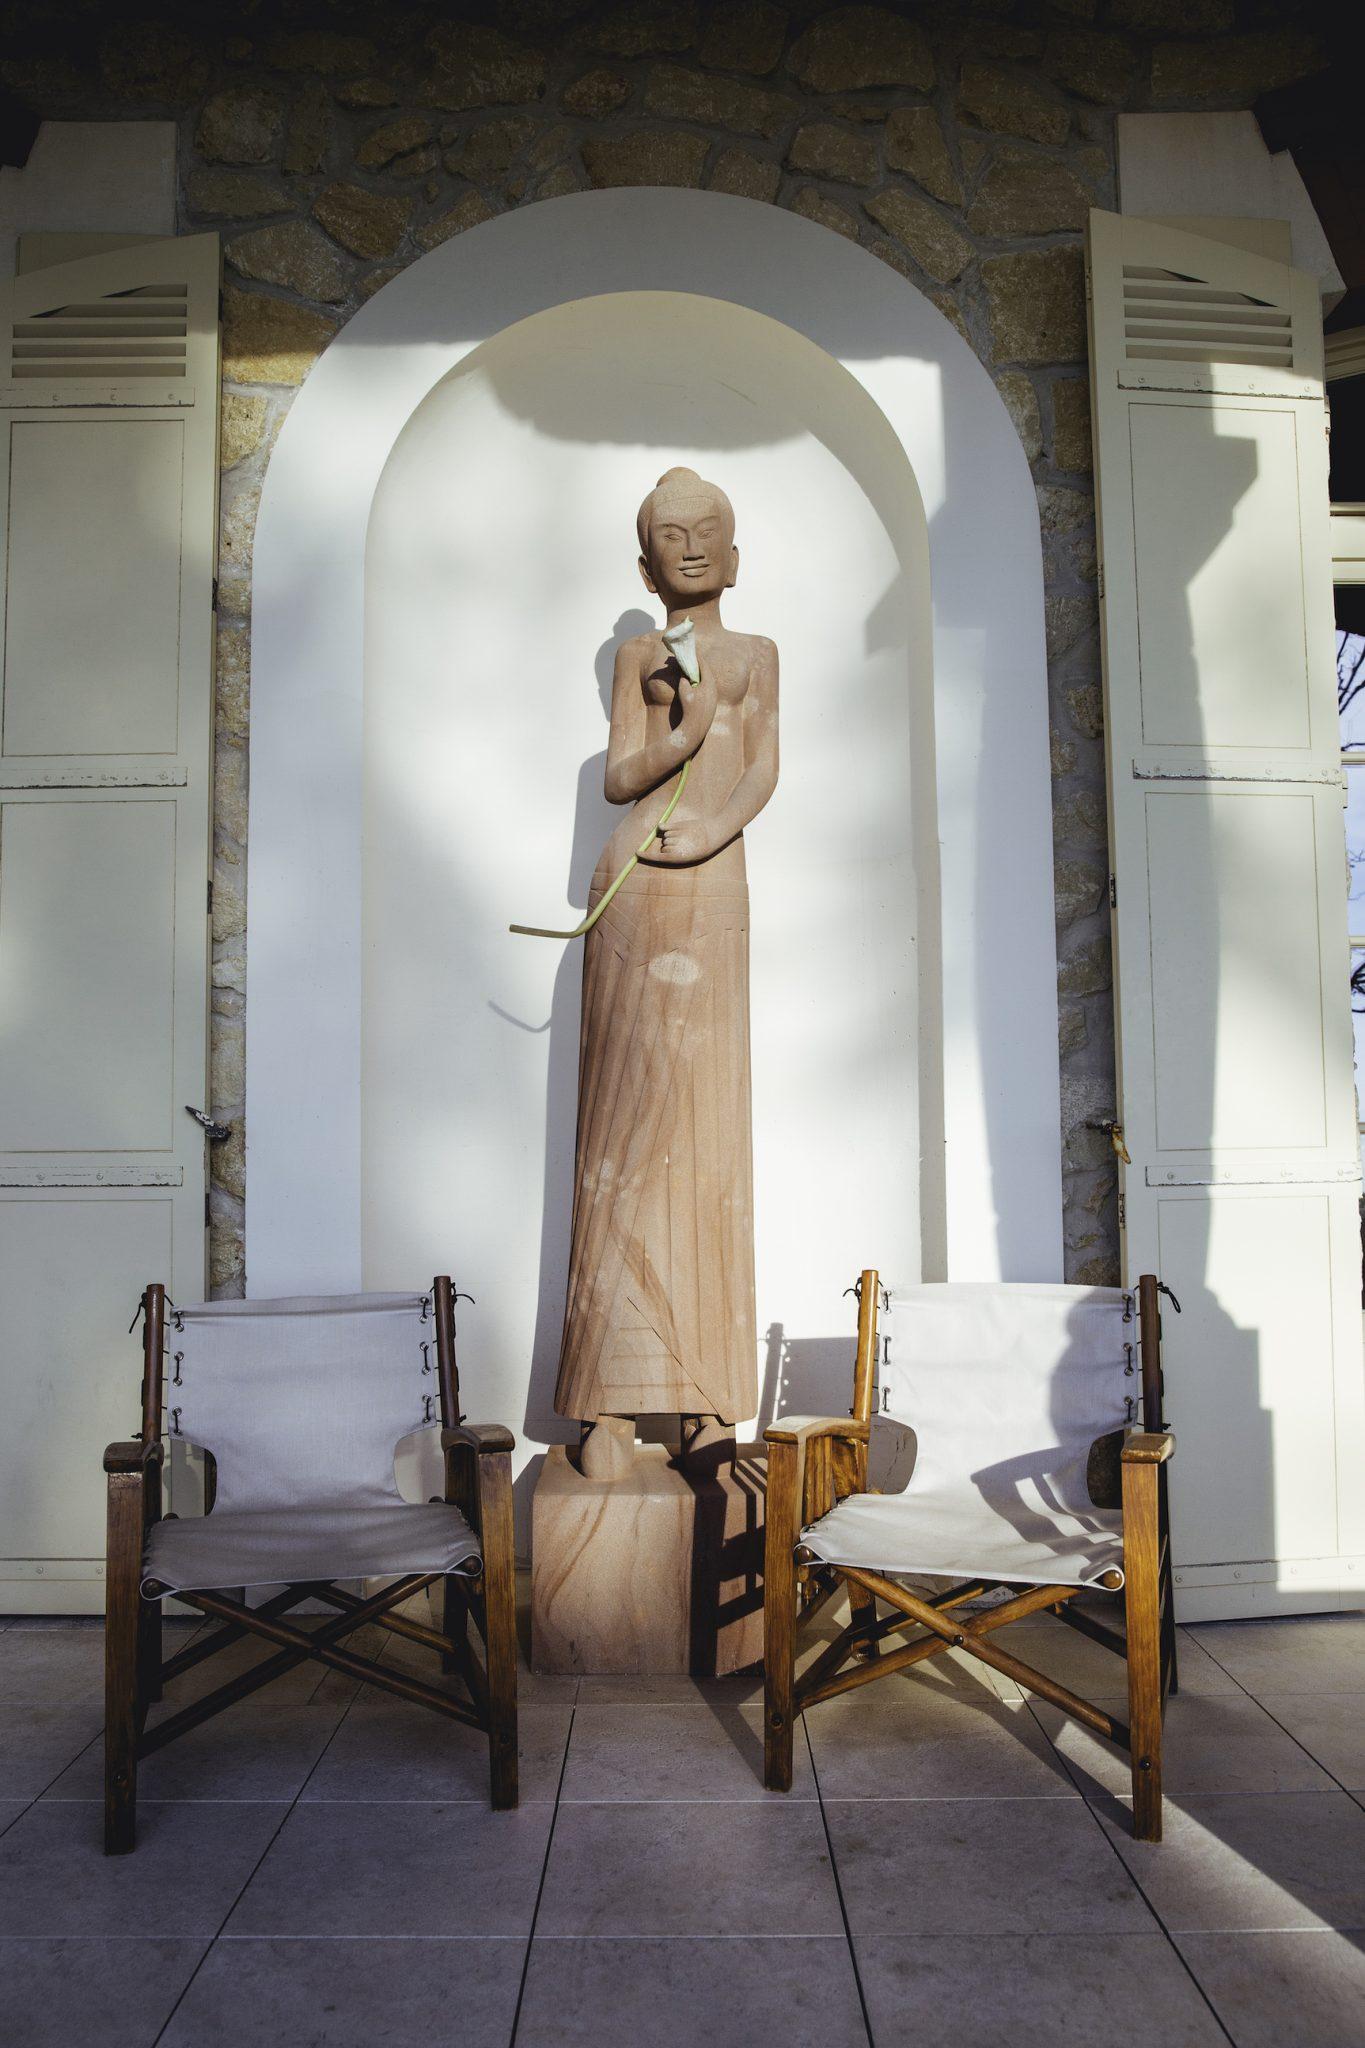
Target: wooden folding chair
x=300, y=1405
x=1015, y=1394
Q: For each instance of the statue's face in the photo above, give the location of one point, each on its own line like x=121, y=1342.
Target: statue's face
x=691, y=556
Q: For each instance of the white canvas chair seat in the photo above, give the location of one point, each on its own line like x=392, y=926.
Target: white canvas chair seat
x=1006, y=1388
x=891, y=1534
x=295, y=1546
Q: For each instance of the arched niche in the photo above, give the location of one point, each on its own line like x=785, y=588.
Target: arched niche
x=761, y=347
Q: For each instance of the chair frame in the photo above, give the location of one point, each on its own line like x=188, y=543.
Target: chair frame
x=813, y=1462
x=478, y=1480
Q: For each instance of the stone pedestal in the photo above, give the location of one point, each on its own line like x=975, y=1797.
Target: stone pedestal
x=660, y=1570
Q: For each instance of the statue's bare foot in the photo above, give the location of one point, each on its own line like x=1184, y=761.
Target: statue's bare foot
x=607, y=1449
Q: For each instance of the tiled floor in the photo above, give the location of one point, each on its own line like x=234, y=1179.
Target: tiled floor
x=953, y=1864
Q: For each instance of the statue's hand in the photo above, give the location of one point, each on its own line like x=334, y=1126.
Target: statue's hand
x=682, y=840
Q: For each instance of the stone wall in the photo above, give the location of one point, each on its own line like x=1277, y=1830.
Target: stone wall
x=960, y=144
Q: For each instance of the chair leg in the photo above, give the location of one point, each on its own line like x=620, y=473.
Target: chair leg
x=1142, y=1601
x=454, y=1618
x=494, y=1479
x=1169, y=1653
x=782, y=1519
x=123, y=1705
x=148, y=1652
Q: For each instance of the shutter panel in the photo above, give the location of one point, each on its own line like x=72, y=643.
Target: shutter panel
x=108, y=520
x=1230, y=937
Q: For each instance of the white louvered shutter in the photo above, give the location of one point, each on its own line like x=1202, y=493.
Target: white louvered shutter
x=1230, y=932
x=108, y=437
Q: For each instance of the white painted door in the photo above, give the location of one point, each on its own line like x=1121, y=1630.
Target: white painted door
x=1230, y=930
x=108, y=440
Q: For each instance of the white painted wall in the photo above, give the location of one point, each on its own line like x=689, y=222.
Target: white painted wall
x=997, y=1021
x=90, y=177
x=500, y=578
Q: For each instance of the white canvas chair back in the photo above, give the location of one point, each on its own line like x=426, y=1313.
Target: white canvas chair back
x=303, y=1401
x=1006, y=1387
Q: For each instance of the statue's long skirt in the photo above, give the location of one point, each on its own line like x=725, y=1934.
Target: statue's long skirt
x=660, y=1311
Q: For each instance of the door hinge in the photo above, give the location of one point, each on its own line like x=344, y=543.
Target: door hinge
x=214, y=599
x=207, y=1218
x=1113, y=892
x=1123, y=1212
x=1099, y=578
x=210, y=898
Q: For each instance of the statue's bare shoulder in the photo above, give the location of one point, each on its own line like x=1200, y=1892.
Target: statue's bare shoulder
x=762, y=659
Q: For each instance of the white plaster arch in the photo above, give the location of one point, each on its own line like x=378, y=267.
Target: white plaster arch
x=1000, y=1077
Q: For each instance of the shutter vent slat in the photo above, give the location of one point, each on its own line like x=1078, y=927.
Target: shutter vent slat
x=1170, y=318
x=140, y=333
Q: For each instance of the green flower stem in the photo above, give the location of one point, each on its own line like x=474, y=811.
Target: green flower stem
x=536, y=931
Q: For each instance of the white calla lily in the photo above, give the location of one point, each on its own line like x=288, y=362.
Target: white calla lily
x=681, y=642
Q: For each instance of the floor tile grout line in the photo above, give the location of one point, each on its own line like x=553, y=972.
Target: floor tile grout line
x=69, y=1765
x=247, y=1880
x=540, y=1888
x=1141, y=1891
x=1171, y=1941
x=1325, y=1768
x=838, y=1887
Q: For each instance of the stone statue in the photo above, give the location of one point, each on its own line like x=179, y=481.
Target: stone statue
x=660, y=1312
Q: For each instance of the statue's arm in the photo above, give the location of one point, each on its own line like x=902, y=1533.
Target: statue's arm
x=759, y=778
x=635, y=764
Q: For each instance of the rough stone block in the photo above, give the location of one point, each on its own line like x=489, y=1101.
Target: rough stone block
x=678, y=94
x=1021, y=399
x=1233, y=70
x=936, y=245
x=1010, y=105
x=1093, y=65
x=596, y=94
x=746, y=176
x=268, y=341
x=1027, y=195
x=1037, y=304
x=243, y=124
x=915, y=145
x=393, y=138
x=234, y=195
x=648, y=157
x=748, y=36
x=366, y=223
x=830, y=152
x=466, y=213
x=813, y=205
x=636, y=30
x=295, y=256
x=856, y=47
x=473, y=66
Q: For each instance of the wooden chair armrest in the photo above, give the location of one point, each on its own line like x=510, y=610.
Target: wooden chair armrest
x=478, y=1436
x=1148, y=1447
x=134, y=1456
x=803, y=1429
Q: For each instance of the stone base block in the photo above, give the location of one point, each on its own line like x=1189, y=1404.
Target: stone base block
x=658, y=1571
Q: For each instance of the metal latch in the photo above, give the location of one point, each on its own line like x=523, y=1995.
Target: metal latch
x=1115, y=1130
x=220, y=1133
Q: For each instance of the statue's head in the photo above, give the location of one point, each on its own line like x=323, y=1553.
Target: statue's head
x=687, y=539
